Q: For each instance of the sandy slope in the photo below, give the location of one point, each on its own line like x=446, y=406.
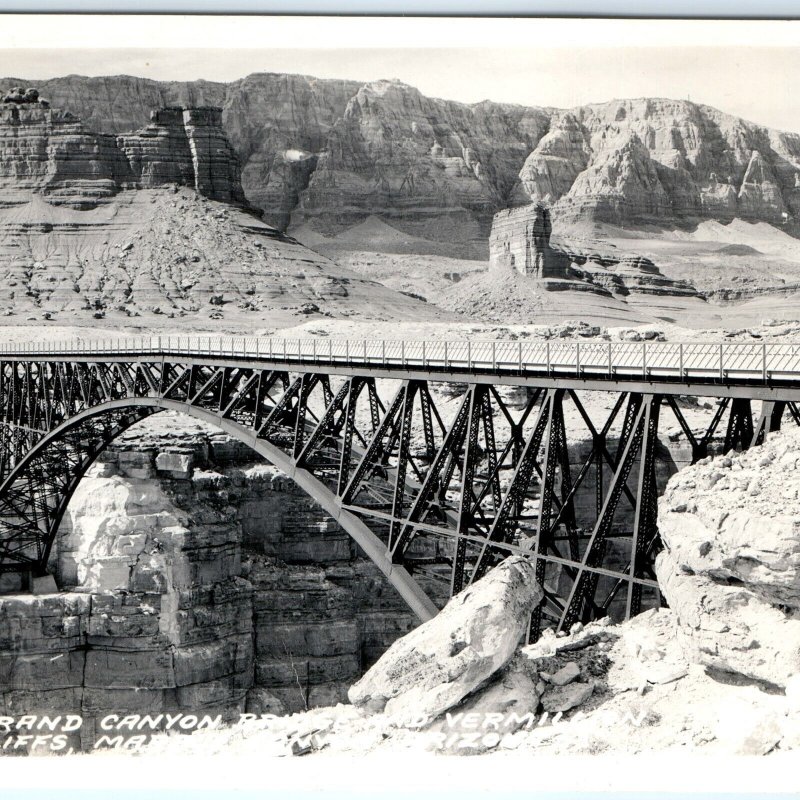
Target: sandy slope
x=157, y=255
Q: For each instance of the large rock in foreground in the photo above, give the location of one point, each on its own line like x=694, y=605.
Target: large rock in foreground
x=731, y=565
x=439, y=663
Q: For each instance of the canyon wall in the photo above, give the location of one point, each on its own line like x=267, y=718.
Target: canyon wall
x=330, y=153
x=153, y=222
x=197, y=581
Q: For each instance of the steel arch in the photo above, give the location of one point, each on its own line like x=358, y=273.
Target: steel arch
x=141, y=408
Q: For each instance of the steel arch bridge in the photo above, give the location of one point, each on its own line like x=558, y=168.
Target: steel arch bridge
x=443, y=477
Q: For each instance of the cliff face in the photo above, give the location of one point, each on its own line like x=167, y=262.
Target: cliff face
x=433, y=168
x=670, y=160
x=186, y=147
x=52, y=153
x=197, y=582
x=520, y=241
x=330, y=153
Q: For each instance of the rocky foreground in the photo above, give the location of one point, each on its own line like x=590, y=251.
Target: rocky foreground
x=718, y=671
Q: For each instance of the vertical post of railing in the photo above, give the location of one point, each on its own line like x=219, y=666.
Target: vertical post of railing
x=519, y=354
x=721, y=373
x=403, y=352
x=610, y=363
x=680, y=360
x=314, y=349
x=644, y=359
x=764, y=361
x=578, y=359
x=547, y=355
x=365, y=351
x=383, y=351
x=423, y=352
x=284, y=349
x=494, y=355
x=346, y=351
x=445, y=353
x=469, y=354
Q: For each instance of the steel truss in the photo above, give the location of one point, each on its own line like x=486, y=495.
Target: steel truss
x=446, y=500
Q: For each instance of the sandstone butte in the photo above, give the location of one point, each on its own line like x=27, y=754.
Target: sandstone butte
x=154, y=223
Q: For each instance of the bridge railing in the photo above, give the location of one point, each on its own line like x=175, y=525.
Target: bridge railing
x=585, y=358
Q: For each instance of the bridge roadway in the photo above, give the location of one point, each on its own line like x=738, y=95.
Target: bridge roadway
x=428, y=496
x=755, y=370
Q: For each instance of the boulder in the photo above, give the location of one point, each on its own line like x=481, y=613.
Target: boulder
x=731, y=565
x=564, y=698
x=439, y=663
x=502, y=708
x=568, y=673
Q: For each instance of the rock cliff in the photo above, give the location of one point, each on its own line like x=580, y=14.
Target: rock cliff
x=196, y=581
x=330, y=153
x=521, y=241
x=50, y=152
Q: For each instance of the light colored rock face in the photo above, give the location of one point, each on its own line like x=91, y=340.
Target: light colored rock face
x=560, y=156
x=731, y=565
x=199, y=581
x=729, y=627
x=509, y=700
x=623, y=185
x=443, y=660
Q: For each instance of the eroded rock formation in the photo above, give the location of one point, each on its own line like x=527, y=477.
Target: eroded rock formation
x=153, y=222
x=521, y=240
x=52, y=153
x=332, y=153
x=187, y=147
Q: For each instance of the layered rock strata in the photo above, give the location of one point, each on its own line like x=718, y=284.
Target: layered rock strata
x=197, y=583
x=333, y=152
x=187, y=147
x=52, y=153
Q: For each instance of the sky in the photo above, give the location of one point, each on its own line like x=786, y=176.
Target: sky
x=746, y=68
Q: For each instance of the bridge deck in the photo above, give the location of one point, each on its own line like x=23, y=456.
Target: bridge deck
x=756, y=370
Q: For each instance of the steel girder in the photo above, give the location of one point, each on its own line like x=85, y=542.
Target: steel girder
x=427, y=499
